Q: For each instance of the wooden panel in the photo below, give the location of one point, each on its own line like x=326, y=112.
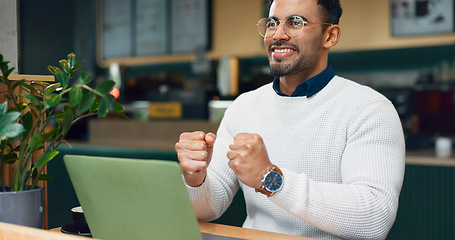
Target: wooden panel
x=143, y=134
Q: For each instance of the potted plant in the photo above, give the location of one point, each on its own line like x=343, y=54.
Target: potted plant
x=25, y=125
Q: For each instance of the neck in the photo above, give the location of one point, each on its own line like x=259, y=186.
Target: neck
x=289, y=83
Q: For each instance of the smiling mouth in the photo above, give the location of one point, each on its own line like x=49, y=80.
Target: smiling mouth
x=285, y=50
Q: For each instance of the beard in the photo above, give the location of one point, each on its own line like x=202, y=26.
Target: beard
x=278, y=68
x=286, y=67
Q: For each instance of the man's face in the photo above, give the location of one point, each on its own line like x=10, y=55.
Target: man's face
x=292, y=55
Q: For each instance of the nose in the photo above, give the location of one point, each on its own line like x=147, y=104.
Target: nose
x=280, y=33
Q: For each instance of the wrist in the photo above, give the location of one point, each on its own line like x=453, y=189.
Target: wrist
x=195, y=184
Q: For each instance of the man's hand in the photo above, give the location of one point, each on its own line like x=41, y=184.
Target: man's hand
x=194, y=152
x=249, y=159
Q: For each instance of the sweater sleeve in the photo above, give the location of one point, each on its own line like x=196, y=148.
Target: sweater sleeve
x=364, y=204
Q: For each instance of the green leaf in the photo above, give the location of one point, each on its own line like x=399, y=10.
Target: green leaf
x=76, y=67
x=117, y=107
x=9, y=158
x=52, y=100
x=8, y=126
x=95, y=105
x=51, y=134
x=67, y=120
x=45, y=158
x=4, y=108
x=121, y=114
x=75, y=95
x=17, y=83
x=113, y=104
x=72, y=60
x=87, y=101
x=103, y=109
x=32, y=98
x=7, y=71
x=37, y=141
x=31, y=88
x=59, y=115
x=11, y=130
x=45, y=177
x=42, y=84
x=27, y=121
x=85, y=78
x=60, y=76
x=105, y=87
x=64, y=65
x=51, y=88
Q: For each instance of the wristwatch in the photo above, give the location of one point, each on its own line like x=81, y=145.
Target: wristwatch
x=272, y=181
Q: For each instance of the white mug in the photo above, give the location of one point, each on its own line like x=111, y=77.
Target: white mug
x=443, y=147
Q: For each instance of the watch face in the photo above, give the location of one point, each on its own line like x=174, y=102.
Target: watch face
x=273, y=181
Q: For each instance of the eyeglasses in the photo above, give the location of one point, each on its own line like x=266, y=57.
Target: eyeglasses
x=293, y=26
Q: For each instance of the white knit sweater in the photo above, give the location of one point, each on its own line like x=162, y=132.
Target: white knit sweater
x=342, y=156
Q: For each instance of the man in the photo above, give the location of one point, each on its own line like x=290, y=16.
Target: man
x=315, y=154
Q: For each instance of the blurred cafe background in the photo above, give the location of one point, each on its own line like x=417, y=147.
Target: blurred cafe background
x=179, y=63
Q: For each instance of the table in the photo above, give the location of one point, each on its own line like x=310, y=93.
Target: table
x=12, y=231
x=245, y=233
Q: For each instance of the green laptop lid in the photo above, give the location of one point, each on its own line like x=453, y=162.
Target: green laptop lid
x=132, y=199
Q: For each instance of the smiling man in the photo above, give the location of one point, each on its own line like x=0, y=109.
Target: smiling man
x=315, y=154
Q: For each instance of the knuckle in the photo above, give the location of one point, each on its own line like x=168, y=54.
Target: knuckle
x=202, y=144
x=256, y=137
x=204, y=155
x=178, y=146
x=248, y=146
x=243, y=155
x=184, y=135
x=184, y=165
x=199, y=134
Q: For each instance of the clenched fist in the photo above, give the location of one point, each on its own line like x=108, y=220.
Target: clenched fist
x=194, y=152
x=249, y=159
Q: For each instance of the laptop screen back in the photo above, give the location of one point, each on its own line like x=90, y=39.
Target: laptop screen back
x=132, y=199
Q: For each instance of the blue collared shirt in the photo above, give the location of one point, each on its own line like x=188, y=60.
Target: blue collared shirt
x=310, y=86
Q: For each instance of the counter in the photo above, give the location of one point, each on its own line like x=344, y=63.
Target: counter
x=428, y=158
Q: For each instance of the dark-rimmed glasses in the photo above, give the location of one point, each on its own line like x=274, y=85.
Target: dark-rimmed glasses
x=293, y=26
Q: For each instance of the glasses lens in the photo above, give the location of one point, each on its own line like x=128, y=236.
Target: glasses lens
x=266, y=27
x=294, y=26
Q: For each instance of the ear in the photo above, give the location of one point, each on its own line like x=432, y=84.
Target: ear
x=331, y=36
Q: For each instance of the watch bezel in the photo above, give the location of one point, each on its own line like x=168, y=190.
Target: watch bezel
x=263, y=189
x=267, y=181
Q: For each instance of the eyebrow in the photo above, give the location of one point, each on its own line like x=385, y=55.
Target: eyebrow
x=289, y=16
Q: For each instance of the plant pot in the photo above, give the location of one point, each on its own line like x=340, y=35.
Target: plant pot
x=23, y=207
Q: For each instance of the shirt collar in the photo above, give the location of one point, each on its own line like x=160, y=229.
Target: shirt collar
x=310, y=86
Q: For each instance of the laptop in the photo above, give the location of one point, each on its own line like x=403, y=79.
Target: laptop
x=125, y=198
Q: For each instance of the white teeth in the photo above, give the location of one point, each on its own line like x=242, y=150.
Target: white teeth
x=283, y=50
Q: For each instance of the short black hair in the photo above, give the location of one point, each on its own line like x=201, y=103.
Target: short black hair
x=332, y=10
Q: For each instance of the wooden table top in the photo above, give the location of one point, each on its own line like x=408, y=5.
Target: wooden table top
x=17, y=232
x=245, y=233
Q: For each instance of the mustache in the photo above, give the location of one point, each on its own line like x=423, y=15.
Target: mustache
x=279, y=44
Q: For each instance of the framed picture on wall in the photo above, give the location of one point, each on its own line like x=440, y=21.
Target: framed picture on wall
x=421, y=17
x=190, y=26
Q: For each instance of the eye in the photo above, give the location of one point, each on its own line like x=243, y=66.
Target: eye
x=270, y=23
x=295, y=22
